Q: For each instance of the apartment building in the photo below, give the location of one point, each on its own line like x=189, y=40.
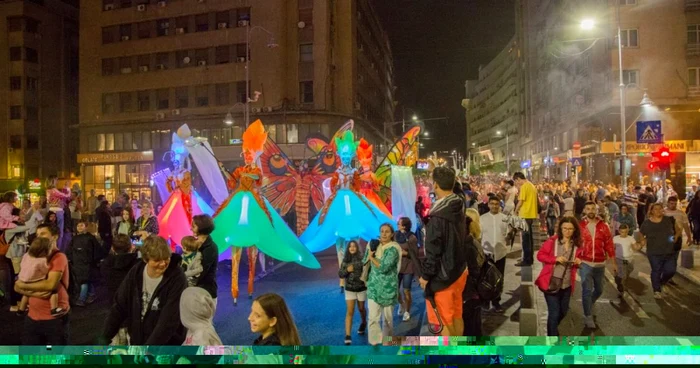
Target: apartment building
x=147, y=67
x=38, y=92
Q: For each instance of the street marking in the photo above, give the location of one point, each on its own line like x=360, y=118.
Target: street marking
x=629, y=299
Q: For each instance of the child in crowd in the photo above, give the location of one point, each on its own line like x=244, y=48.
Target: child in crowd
x=35, y=267
x=355, y=289
x=83, y=254
x=191, y=259
x=122, y=258
x=625, y=246
x=196, y=314
x=270, y=317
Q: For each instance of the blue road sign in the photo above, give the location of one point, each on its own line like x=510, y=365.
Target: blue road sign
x=525, y=164
x=649, y=132
x=576, y=161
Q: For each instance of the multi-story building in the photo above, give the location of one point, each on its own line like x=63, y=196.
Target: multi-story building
x=492, y=111
x=572, y=79
x=38, y=92
x=148, y=66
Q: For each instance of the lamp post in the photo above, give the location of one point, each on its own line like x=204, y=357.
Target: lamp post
x=228, y=120
x=498, y=133
x=271, y=44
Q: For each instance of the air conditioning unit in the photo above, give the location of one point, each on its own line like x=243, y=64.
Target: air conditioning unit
x=109, y=7
x=126, y=70
x=243, y=23
x=267, y=109
x=160, y=67
x=222, y=25
x=255, y=110
x=141, y=7
x=143, y=68
x=357, y=106
x=160, y=116
x=202, y=63
x=179, y=30
x=126, y=38
x=186, y=60
x=240, y=59
x=162, y=4
x=176, y=112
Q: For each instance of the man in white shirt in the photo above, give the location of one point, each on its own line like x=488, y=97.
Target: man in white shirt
x=493, y=239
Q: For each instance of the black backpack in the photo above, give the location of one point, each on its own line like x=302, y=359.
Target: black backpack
x=490, y=285
x=73, y=288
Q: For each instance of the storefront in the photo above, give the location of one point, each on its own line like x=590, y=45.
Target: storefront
x=114, y=173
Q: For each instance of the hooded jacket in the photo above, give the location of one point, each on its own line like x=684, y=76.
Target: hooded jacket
x=161, y=325
x=600, y=248
x=445, y=251
x=196, y=313
x=115, y=268
x=83, y=253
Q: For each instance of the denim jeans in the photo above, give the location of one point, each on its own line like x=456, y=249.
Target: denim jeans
x=663, y=267
x=551, y=222
x=54, y=332
x=557, y=307
x=591, y=286
x=528, y=249
x=85, y=291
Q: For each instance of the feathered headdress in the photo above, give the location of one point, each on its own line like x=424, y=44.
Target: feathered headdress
x=364, y=150
x=346, y=143
x=254, y=137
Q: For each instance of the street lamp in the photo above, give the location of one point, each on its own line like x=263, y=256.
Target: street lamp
x=228, y=120
x=588, y=24
x=415, y=117
x=498, y=133
x=271, y=44
x=426, y=134
x=646, y=101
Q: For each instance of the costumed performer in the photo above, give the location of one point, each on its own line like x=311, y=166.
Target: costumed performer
x=347, y=214
x=246, y=218
x=368, y=180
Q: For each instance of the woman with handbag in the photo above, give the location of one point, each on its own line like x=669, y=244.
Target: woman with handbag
x=559, y=256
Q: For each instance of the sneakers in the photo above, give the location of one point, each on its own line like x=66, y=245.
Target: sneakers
x=362, y=329
x=498, y=309
x=348, y=340
x=90, y=299
x=658, y=295
x=406, y=316
x=57, y=312
x=589, y=322
x=79, y=303
x=21, y=313
x=671, y=282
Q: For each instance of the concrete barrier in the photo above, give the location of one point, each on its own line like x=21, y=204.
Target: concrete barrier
x=687, y=258
x=528, y=308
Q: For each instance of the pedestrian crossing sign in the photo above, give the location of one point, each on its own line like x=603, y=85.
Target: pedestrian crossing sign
x=649, y=132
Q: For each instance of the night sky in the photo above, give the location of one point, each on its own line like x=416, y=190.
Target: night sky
x=437, y=45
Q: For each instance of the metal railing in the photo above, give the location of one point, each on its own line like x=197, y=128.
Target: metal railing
x=692, y=5
x=694, y=91
x=692, y=49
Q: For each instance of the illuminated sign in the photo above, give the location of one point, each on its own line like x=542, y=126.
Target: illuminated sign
x=101, y=158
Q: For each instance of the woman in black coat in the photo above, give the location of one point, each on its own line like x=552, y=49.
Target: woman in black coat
x=83, y=254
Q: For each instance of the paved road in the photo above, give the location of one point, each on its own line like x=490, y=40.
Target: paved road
x=638, y=314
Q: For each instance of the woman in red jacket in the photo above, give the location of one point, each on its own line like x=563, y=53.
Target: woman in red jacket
x=560, y=258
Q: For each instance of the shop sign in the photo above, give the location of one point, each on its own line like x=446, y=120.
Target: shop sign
x=632, y=147
x=34, y=184
x=103, y=158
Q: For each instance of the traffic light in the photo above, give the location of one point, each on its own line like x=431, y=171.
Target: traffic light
x=661, y=159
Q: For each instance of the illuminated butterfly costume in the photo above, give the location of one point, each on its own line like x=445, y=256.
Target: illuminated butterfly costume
x=369, y=184
x=299, y=189
x=246, y=218
x=347, y=214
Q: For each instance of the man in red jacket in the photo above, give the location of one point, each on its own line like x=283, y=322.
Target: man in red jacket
x=598, y=247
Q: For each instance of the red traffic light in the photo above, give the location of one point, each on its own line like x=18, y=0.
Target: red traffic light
x=652, y=166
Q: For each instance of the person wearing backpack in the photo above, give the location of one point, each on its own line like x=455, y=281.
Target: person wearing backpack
x=40, y=326
x=493, y=240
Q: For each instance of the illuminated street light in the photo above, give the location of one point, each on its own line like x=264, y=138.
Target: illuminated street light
x=229, y=119
x=587, y=24
x=426, y=134
x=646, y=101
x=415, y=118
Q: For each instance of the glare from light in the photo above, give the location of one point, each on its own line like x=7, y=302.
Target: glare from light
x=426, y=134
x=415, y=118
x=587, y=24
x=498, y=132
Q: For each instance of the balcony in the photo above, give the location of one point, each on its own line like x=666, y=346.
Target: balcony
x=694, y=92
x=692, y=49
x=692, y=5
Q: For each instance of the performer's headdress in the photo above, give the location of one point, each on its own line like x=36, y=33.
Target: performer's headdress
x=364, y=150
x=254, y=137
x=346, y=143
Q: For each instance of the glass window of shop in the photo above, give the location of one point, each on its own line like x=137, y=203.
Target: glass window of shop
x=102, y=179
x=134, y=179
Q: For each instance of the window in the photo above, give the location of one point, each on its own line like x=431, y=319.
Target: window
x=306, y=16
x=125, y=4
x=628, y=2
x=16, y=141
x=144, y=100
x=108, y=4
x=163, y=97
x=15, y=112
x=202, y=96
x=241, y=92
x=240, y=52
x=181, y=97
x=630, y=38
x=306, y=52
x=109, y=142
x=694, y=34
x=125, y=64
x=32, y=141
x=128, y=141
x=15, y=83
x=15, y=53
x=201, y=23
x=31, y=25
x=118, y=141
x=183, y=59
x=108, y=34
x=125, y=103
x=694, y=77
x=222, y=94
x=243, y=14
x=144, y=29
x=182, y=24
x=108, y=66
x=32, y=55
x=32, y=84
x=144, y=62
x=32, y=113
x=306, y=92
x=223, y=54
x=201, y=55
x=223, y=20
x=630, y=77
x=162, y=27
x=125, y=32
x=109, y=103
x=162, y=60
x=14, y=24
x=281, y=133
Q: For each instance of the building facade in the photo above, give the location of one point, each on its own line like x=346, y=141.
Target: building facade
x=572, y=79
x=493, y=113
x=39, y=91
x=147, y=67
